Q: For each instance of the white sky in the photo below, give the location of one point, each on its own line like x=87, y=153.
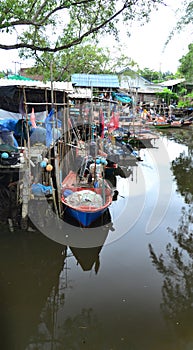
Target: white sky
x=145, y=46
x=146, y=43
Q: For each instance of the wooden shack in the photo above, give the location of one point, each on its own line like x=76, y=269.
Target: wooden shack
x=18, y=99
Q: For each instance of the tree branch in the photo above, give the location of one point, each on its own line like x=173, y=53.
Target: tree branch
x=75, y=41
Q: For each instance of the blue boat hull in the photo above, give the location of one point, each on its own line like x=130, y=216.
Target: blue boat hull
x=85, y=218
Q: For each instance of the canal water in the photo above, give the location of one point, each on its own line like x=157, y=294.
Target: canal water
x=126, y=284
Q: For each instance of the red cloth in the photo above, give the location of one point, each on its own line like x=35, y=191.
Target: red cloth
x=114, y=122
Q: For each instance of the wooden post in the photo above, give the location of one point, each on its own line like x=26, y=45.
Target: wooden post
x=26, y=176
x=25, y=199
x=57, y=175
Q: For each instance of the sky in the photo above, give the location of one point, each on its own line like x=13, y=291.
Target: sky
x=145, y=45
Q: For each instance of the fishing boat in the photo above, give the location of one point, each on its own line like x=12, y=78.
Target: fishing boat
x=161, y=123
x=180, y=123
x=174, y=124
x=86, y=194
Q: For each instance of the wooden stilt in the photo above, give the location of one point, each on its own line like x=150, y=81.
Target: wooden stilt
x=25, y=200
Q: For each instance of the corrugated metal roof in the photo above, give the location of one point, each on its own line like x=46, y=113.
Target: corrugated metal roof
x=171, y=82
x=95, y=80
x=82, y=93
x=57, y=85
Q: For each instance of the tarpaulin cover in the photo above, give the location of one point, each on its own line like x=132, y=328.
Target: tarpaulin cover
x=12, y=98
x=40, y=190
x=122, y=97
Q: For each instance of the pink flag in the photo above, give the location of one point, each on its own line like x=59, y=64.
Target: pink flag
x=114, y=122
x=33, y=119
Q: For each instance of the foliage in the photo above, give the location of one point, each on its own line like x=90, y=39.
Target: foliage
x=55, y=25
x=83, y=58
x=157, y=77
x=122, y=62
x=186, y=101
x=150, y=74
x=187, y=16
x=185, y=19
x=186, y=64
x=167, y=95
x=182, y=91
x=169, y=76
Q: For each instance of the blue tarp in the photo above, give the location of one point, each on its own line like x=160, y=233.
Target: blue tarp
x=11, y=128
x=17, y=126
x=8, y=124
x=122, y=97
x=7, y=128
x=52, y=133
x=48, y=123
x=40, y=190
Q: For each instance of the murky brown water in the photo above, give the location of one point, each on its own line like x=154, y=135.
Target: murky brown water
x=108, y=288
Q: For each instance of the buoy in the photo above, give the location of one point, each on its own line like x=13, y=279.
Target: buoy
x=104, y=161
x=49, y=167
x=4, y=155
x=43, y=164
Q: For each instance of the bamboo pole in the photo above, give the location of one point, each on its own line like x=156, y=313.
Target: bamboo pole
x=57, y=175
x=54, y=197
x=27, y=174
x=56, y=164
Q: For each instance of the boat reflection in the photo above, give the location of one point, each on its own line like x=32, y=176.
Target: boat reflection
x=34, y=280
x=68, y=232
x=88, y=258
x=54, y=330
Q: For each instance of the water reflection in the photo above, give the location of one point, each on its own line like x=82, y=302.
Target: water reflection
x=176, y=266
x=78, y=332
x=64, y=296
x=87, y=257
x=182, y=168
x=54, y=330
x=176, y=263
x=34, y=280
x=30, y=266
x=83, y=331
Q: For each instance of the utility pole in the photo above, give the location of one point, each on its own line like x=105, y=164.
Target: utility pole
x=15, y=62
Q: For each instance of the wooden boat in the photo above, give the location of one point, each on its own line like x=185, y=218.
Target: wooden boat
x=161, y=125
x=173, y=124
x=87, y=195
x=180, y=123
